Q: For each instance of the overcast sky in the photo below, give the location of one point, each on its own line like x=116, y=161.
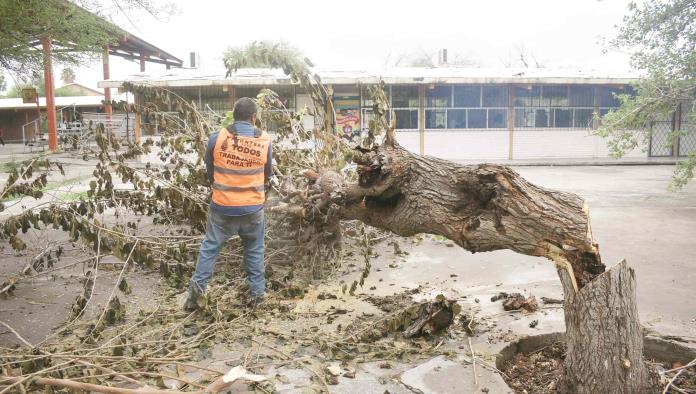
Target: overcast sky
x=360, y=34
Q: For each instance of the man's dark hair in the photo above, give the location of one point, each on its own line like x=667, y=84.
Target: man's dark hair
x=244, y=108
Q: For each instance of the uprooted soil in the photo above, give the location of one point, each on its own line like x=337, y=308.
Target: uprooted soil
x=536, y=372
x=539, y=372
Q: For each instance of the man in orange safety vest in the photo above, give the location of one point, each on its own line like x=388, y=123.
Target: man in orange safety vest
x=239, y=163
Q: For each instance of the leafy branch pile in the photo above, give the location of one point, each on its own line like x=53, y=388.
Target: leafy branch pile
x=151, y=216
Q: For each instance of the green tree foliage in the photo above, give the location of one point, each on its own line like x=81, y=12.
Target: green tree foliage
x=35, y=81
x=661, y=37
x=79, y=29
x=25, y=22
x=3, y=84
x=251, y=55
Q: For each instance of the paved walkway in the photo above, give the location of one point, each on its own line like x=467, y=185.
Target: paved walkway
x=583, y=161
x=18, y=152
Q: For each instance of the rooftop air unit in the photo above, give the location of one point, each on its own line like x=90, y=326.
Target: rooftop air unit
x=195, y=59
x=442, y=57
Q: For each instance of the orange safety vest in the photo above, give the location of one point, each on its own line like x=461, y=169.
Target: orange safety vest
x=238, y=177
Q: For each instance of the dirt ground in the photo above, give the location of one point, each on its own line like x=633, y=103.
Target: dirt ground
x=633, y=215
x=539, y=372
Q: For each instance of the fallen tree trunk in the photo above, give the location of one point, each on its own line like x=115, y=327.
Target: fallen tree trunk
x=489, y=207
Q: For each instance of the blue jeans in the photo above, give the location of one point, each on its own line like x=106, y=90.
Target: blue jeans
x=219, y=229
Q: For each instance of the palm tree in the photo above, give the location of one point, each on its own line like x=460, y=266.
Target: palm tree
x=67, y=76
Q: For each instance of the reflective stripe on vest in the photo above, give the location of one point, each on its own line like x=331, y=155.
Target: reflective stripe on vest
x=238, y=169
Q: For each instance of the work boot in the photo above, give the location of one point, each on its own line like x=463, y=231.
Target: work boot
x=191, y=303
x=254, y=302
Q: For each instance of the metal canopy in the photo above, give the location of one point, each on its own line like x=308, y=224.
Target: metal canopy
x=124, y=44
x=132, y=47
x=127, y=46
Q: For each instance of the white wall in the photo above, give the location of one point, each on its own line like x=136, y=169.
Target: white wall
x=560, y=144
x=493, y=145
x=459, y=145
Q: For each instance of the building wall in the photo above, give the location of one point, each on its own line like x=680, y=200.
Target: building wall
x=493, y=145
x=459, y=145
x=469, y=122
x=11, y=121
x=560, y=143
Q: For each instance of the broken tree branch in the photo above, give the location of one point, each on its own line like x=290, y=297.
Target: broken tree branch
x=21, y=338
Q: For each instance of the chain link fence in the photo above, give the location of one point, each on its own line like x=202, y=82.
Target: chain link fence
x=687, y=139
x=662, y=138
x=661, y=144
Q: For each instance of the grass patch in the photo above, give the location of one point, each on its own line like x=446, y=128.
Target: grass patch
x=54, y=186
x=72, y=196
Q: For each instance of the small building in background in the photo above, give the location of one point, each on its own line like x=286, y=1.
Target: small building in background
x=18, y=120
x=455, y=113
x=76, y=89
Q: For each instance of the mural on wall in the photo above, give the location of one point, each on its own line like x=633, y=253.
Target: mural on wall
x=347, y=116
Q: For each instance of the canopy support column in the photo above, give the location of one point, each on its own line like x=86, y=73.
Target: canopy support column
x=50, y=101
x=421, y=119
x=107, y=92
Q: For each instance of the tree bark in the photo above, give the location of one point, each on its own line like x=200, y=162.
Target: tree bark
x=488, y=207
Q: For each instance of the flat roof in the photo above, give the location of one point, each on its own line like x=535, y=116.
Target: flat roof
x=67, y=101
x=183, y=77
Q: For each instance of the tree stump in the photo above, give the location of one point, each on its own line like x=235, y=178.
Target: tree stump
x=604, y=337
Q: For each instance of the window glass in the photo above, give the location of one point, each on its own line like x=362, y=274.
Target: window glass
x=541, y=117
x=497, y=118
x=286, y=94
x=456, y=118
x=214, y=98
x=367, y=98
x=495, y=96
x=527, y=96
x=477, y=119
x=628, y=89
x=367, y=116
x=438, y=96
x=555, y=95
x=435, y=119
x=406, y=118
x=583, y=118
x=404, y=96
x=606, y=96
x=582, y=96
x=188, y=93
x=467, y=96
x=247, y=91
x=561, y=117
x=524, y=117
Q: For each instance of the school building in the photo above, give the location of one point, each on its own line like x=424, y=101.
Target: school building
x=453, y=113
